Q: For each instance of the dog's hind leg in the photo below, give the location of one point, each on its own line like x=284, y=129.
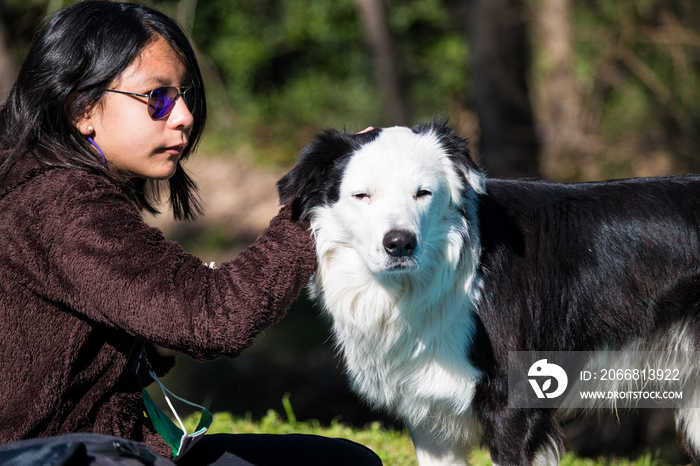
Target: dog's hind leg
x=688, y=426
x=547, y=455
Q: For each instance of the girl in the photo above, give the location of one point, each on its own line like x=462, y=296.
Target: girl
x=107, y=105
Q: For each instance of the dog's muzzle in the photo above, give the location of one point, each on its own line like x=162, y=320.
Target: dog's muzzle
x=399, y=243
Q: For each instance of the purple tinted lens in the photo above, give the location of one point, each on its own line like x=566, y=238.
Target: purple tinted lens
x=162, y=101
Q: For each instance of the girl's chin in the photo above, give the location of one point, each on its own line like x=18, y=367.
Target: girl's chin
x=161, y=174
x=166, y=170
x=165, y=177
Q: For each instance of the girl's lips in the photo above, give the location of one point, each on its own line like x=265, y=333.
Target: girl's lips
x=176, y=150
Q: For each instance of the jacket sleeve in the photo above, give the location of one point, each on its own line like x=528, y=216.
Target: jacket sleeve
x=98, y=258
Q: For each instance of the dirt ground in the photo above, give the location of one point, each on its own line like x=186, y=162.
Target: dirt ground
x=238, y=200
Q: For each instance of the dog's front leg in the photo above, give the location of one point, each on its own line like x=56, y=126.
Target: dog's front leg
x=436, y=449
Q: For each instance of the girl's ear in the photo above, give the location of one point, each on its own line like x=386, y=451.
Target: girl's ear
x=83, y=122
x=85, y=128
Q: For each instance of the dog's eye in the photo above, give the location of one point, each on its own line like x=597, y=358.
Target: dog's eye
x=361, y=197
x=423, y=193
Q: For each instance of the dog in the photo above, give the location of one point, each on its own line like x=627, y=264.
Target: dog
x=432, y=274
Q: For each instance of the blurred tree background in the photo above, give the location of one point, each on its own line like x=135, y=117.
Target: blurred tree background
x=568, y=90
x=564, y=89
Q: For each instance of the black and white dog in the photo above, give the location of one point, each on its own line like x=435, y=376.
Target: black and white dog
x=432, y=274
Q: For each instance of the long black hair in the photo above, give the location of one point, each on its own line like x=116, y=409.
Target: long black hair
x=80, y=52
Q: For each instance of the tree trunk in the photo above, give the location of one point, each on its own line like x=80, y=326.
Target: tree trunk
x=500, y=60
x=8, y=70
x=558, y=98
x=373, y=18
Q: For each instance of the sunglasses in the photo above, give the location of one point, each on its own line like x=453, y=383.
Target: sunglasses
x=162, y=100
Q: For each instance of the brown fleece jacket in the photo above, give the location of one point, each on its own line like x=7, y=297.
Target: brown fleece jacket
x=86, y=286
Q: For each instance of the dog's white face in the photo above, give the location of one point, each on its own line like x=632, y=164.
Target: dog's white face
x=393, y=199
x=398, y=197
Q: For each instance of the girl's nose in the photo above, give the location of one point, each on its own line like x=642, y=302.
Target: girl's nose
x=181, y=117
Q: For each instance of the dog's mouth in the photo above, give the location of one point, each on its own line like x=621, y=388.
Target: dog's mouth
x=404, y=264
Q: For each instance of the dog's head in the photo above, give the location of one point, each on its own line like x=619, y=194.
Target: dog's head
x=392, y=195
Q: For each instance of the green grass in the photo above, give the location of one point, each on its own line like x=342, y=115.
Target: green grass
x=394, y=447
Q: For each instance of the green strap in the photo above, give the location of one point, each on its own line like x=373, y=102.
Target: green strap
x=162, y=424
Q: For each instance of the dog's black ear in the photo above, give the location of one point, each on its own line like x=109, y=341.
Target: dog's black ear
x=317, y=161
x=315, y=179
x=458, y=150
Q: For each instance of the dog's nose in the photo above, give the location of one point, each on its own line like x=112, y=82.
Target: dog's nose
x=398, y=243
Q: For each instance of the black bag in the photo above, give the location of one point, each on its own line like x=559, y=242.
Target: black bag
x=79, y=449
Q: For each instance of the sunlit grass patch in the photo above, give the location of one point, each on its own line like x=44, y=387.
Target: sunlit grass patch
x=394, y=447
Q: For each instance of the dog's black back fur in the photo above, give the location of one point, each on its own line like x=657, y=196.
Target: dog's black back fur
x=574, y=267
x=635, y=242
